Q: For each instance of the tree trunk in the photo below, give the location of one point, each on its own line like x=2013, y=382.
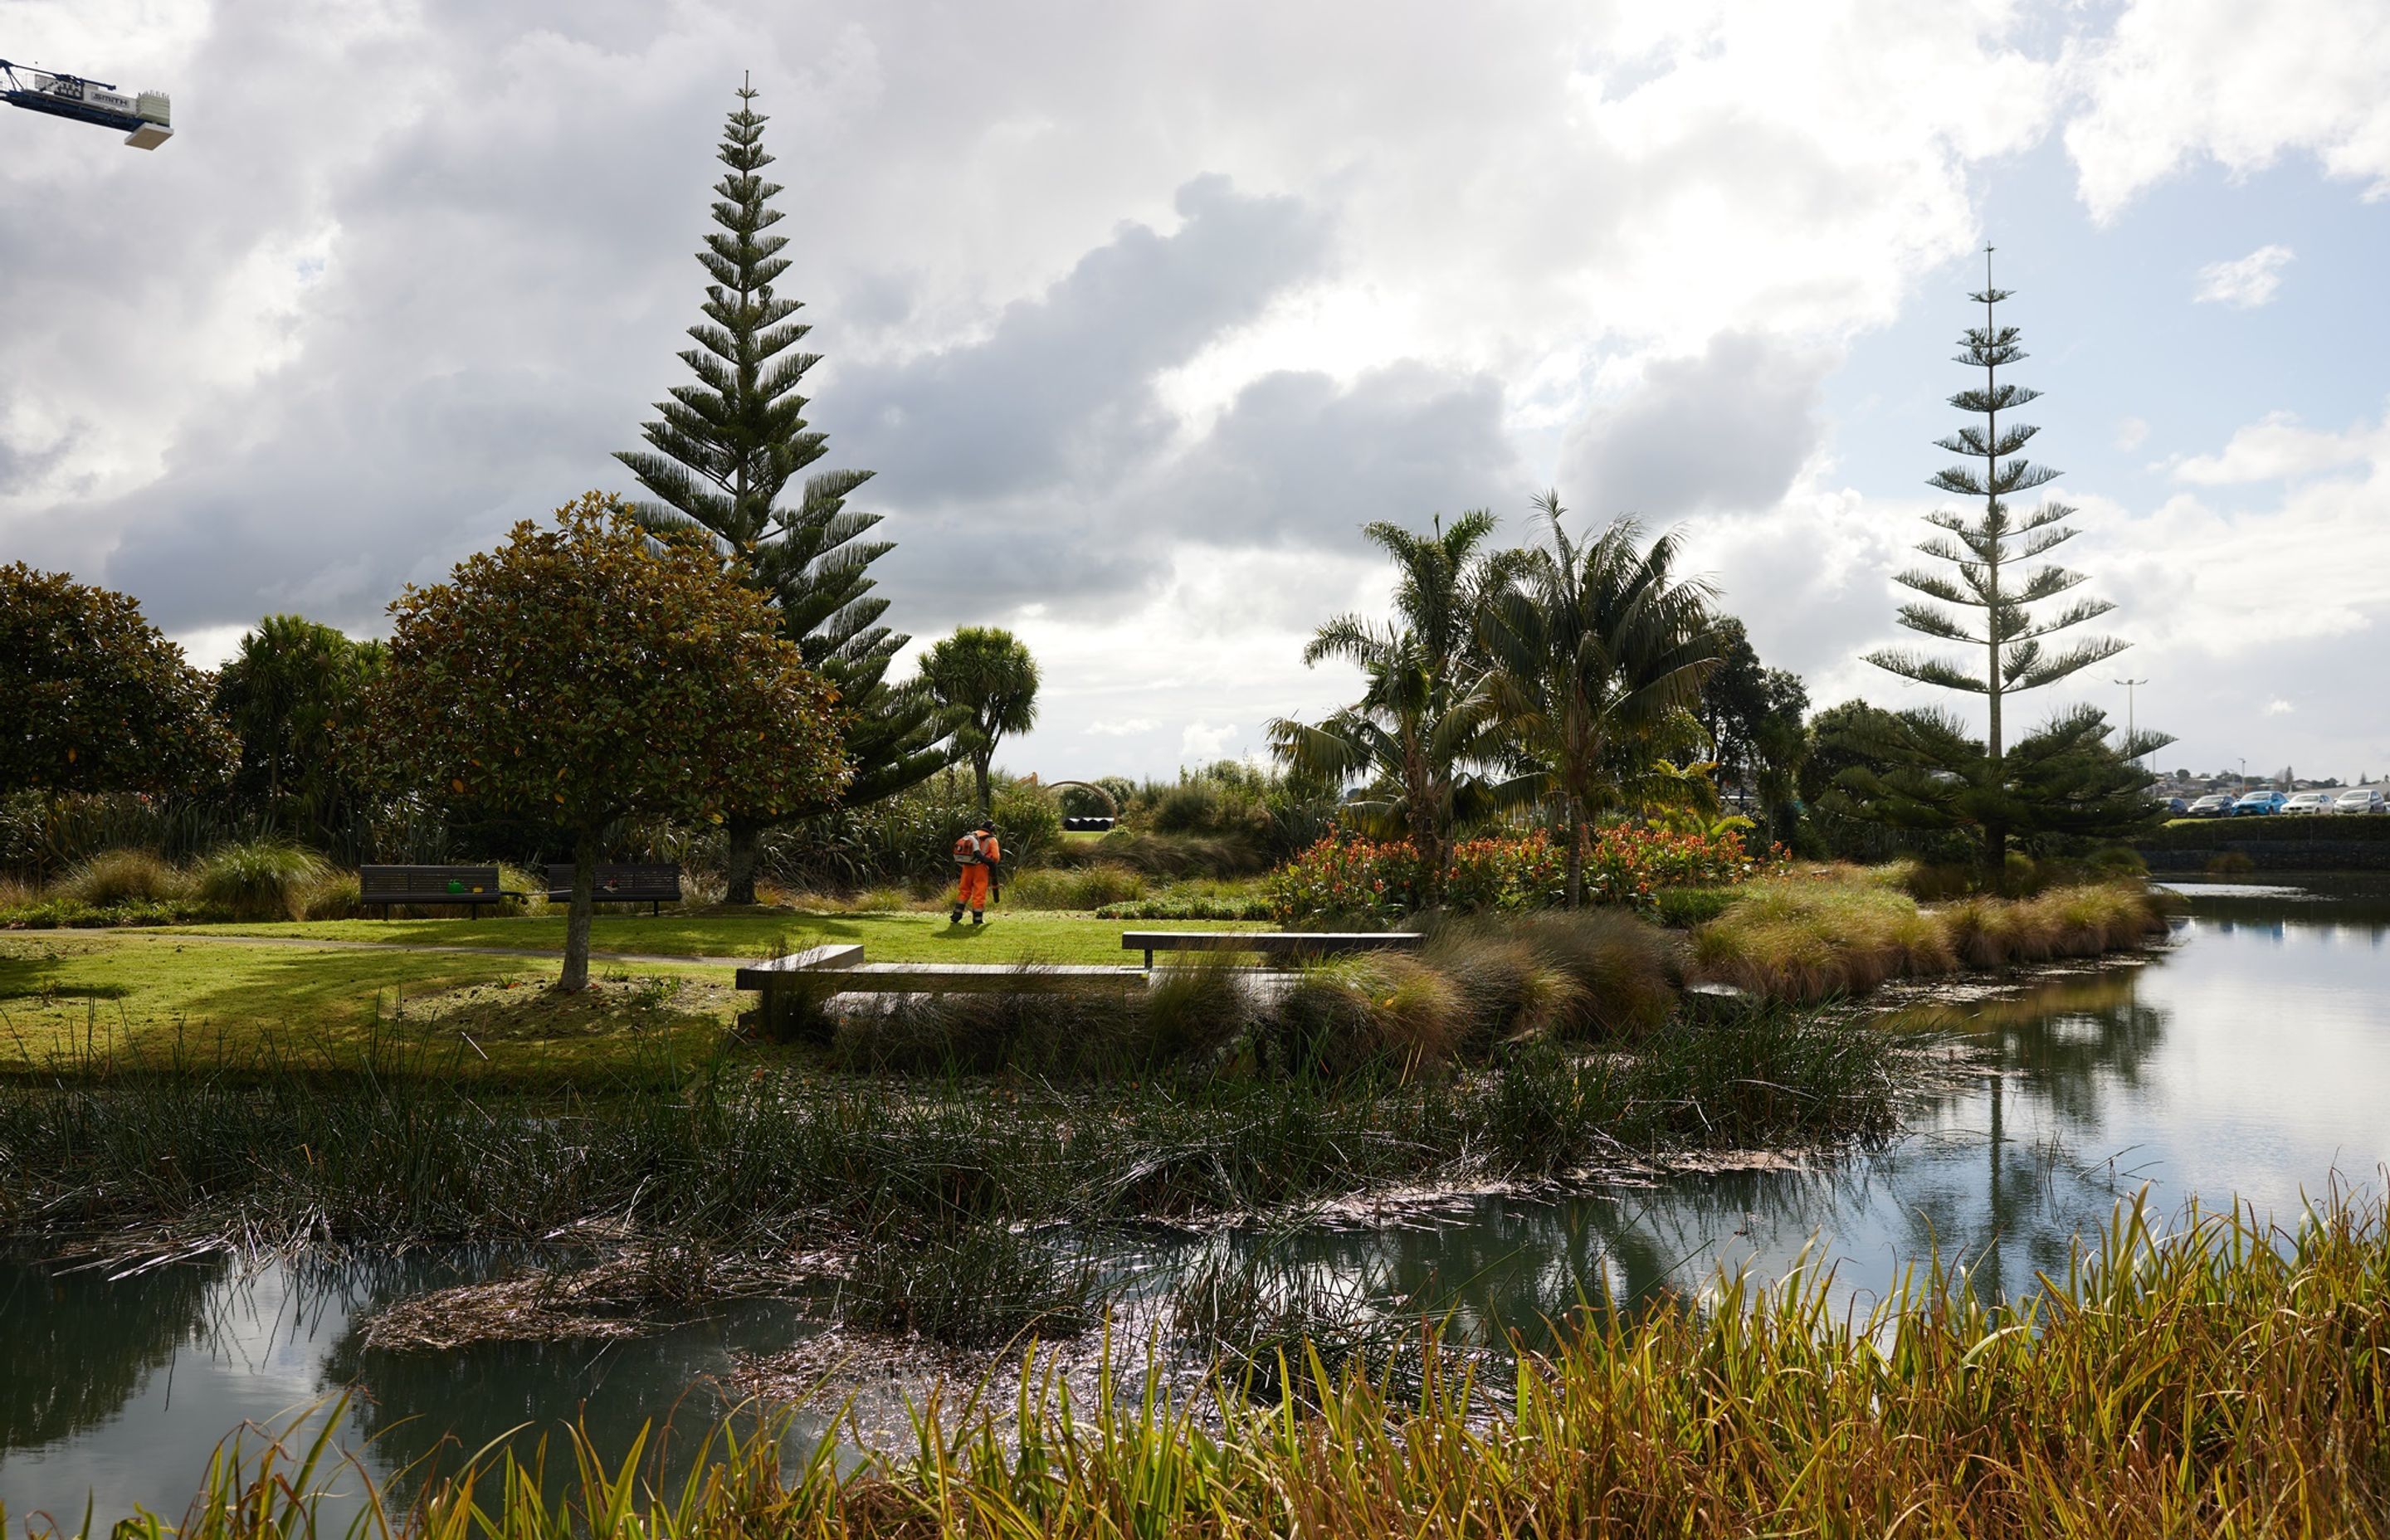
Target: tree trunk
x=979, y=777
x=739, y=864
x=576, y=924
x=1576, y=855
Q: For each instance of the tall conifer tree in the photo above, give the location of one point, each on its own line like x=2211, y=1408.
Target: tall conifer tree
x=1990, y=551
x=721, y=458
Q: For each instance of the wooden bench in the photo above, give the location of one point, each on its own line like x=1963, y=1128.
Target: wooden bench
x=470, y=886
x=1295, y=944
x=653, y=883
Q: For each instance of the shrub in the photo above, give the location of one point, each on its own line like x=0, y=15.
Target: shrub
x=1624, y=972
x=333, y=896
x=1506, y=986
x=260, y=879
x=118, y=877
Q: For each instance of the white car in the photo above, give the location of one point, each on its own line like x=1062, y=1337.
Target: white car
x=2360, y=798
x=2309, y=801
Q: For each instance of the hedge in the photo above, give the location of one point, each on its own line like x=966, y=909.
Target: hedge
x=2211, y=833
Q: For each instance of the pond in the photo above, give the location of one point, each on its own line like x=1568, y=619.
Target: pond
x=2249, y=1060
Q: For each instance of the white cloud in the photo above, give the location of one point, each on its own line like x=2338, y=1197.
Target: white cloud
x=2241, y=85
x=1127, y=726
x=2277, y=447
x=2247, y=283
x=1201, y=742
x=2278, y=707
x=2131, y=434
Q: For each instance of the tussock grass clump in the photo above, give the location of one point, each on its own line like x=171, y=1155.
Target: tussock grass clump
x=1375, y=1010
x=261, y=879
x=1626, y=972
x=1074, y=887
x=120, y=877
x=1506, y=985
x=2218, y=1378
x=1803, y=939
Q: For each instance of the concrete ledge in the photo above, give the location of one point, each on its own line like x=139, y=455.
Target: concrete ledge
x=812, y=959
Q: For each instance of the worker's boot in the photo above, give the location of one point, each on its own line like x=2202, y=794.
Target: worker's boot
x=978, y=918
x=956, y=917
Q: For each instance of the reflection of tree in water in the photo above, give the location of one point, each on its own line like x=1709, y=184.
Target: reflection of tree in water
x=78, y=1346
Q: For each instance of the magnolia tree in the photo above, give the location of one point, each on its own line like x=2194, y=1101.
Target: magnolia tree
x=588, y=673
x=93, y=699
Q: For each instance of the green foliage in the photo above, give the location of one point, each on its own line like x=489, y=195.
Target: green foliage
x=1359, y=881
x=582, y=674
x=290, y=697
x=2208, y=833
x=986, y=679
x=1753, y=715
x=1598, y=651
x=2059, y=787
x=94, y=699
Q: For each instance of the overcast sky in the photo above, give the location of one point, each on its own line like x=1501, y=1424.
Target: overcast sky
x=1139, y=311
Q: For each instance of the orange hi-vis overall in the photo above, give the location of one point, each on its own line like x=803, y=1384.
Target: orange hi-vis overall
x=977, y=851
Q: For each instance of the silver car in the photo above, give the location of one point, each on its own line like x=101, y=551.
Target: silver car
x=2360, y=798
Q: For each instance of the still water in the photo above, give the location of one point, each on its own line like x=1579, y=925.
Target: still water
x=2251, y=1058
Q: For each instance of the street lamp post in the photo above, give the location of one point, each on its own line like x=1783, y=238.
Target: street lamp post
x=2130, y=730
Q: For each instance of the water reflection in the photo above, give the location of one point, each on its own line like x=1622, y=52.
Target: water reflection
x=2251, y=1058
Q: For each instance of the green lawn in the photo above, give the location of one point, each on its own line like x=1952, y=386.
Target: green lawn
x=189, y=994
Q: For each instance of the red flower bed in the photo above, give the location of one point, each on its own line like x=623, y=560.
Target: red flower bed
x=1349, y=881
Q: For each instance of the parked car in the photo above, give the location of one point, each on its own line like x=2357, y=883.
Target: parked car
x=2259, y=801
x=2308, y=802
x=2360, y=798
x=2215, y=804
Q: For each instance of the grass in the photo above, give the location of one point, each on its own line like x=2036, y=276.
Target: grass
x=1836, y=932
x=113, y=1003
x=2216, y=1379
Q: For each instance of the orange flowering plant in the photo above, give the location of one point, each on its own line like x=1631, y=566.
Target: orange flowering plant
x=1348, y=881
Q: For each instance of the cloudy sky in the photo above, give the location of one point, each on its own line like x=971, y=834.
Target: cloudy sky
x=1139, y=311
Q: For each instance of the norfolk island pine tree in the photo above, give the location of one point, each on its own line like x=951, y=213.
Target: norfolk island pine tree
x=722, y=456
x=1985, y=551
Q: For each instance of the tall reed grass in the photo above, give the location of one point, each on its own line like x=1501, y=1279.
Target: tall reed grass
x=389, y=1151
x=2215, y=1378
x=1805, y=938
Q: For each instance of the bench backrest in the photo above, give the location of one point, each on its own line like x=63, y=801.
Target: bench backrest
x=428, y=884
x=639, y=880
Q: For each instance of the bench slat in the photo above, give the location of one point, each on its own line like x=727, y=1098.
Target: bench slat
x=1272, y=942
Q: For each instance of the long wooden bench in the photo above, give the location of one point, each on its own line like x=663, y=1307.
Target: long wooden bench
x=1295, y=944
x=653, y=883
x=470, y=886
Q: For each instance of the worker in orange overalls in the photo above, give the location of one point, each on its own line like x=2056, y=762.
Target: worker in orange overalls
x=979, y=855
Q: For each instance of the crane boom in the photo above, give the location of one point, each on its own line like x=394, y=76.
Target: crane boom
x=146, y=117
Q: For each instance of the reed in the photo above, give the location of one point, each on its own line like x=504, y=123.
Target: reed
x=2217, y=1377
x=1804, y=939
x=388, y=1150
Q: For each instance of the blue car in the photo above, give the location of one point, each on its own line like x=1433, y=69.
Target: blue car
x=2259, y=801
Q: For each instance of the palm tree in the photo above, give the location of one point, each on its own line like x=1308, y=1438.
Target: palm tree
x=1418, y=732
x=984, y=677
x=1596, y=649
x=1407, y=740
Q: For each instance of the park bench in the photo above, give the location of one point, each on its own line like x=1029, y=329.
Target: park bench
x=1291, y=944
x=470, y=886
x=653, y=883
